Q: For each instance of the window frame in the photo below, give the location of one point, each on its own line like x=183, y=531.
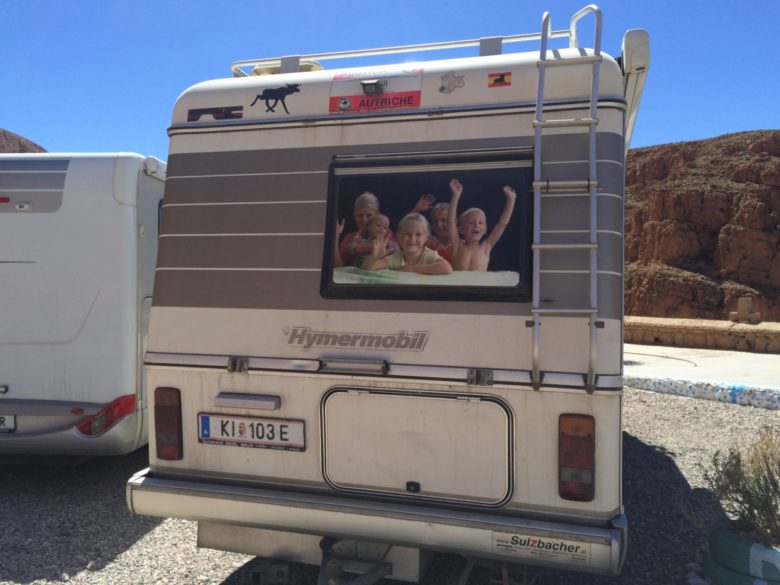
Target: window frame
x=520, y=159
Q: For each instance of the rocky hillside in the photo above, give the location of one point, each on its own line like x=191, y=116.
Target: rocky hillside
x=703, y=227
x=10, y=142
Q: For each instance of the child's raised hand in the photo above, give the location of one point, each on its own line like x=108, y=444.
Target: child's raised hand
x=378, y=246
x=424, y=203
x=456, y=187
x=340, y=226
x=509, y=192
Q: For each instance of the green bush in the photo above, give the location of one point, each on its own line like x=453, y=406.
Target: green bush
x=747, y=484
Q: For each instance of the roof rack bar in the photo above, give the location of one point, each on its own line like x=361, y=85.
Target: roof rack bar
x=237, y=70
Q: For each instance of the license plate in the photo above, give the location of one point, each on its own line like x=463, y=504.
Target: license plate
x=251, y=431
x=7, y=423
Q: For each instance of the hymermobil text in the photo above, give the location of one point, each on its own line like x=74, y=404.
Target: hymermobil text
x=403, y=340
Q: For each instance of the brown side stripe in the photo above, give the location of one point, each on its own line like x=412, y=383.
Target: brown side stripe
x=241, y=252
x=306, y=217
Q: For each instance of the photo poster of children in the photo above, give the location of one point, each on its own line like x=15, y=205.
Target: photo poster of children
x=394, y=194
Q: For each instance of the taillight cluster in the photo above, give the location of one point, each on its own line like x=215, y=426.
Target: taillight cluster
x=576, y=457
x=167, y=423
x=107, y=417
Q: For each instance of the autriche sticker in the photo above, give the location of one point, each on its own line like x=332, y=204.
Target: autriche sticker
x=396, y=89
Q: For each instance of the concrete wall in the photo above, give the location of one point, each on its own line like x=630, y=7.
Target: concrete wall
x=704, y=333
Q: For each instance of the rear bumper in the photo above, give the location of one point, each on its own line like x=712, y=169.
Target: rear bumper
x=58, y=436
x=473, y=534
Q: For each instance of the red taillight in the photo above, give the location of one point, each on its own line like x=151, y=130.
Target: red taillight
x=576, y=457
x=108, y=417
x=167, y=423
x=5, y=199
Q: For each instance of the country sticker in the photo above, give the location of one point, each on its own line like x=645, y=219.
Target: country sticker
x=499, y=79
x=396, y=90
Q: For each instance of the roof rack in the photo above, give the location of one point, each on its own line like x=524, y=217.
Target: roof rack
x=487, y=46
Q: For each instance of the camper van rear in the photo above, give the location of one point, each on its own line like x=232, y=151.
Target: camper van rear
x=79, y=241
x=340, y=364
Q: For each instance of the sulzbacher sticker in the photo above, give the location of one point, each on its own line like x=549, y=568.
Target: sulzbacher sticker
x=542, y=548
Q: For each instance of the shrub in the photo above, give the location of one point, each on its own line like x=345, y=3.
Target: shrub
x=747, y=484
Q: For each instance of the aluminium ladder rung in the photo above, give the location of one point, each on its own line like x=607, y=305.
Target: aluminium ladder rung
x=565, y=312
x=583, y=186
x=561, y=194
x=566, y=123
x=564, y=61
x=564, y=246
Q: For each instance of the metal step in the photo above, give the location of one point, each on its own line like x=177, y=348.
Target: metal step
x=569, y=312
x=554, y=195
x=568, y=61
x=582, y=187
x=566, y=123
x=564, y=246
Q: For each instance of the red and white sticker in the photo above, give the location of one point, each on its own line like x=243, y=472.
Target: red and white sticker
x=395, y=90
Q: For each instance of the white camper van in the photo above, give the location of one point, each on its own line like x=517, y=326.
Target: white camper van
x=78, y=234
x=318, y=401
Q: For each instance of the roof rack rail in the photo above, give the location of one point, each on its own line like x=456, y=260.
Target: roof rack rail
x=487, y=46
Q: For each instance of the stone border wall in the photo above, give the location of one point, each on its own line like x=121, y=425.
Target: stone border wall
x=704, y=333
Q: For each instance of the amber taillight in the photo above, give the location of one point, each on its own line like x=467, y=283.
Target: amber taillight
x=576, y=457
x=167, y=423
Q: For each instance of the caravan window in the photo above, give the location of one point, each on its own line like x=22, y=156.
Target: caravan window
x=371, y=195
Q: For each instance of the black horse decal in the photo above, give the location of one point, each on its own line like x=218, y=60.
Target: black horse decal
x=276, y=94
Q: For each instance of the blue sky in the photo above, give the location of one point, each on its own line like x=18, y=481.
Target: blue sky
x=103, y=75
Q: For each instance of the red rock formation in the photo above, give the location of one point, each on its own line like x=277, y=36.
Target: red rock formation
x=703, y=227
x=10, y=142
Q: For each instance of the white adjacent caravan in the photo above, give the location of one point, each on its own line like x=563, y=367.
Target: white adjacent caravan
x=326, y=403
x=79, y=241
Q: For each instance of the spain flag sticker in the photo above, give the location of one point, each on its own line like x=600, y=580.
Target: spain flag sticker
x=499, y=79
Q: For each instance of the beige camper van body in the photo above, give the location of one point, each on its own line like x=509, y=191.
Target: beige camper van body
x=298, y=399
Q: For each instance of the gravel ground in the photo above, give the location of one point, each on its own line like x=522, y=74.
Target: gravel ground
x=70, y=524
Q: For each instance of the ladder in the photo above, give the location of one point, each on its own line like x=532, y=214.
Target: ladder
x=587, y=187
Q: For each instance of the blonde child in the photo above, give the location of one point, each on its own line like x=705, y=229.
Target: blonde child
x=378, y=227
x=357, y=244
x=414, y=256
x=440, y=239
x=473, y=253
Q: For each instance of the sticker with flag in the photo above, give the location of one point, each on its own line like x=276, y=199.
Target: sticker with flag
x=499, y=79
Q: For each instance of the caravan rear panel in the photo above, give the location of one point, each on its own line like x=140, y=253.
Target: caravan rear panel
x=476, y=412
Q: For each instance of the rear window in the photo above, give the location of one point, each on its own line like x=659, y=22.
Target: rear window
x=391, y=232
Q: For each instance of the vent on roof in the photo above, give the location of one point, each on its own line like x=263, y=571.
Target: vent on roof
x=277, y=66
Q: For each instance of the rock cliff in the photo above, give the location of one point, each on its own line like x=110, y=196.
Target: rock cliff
x=702, y=227
x=10, y=142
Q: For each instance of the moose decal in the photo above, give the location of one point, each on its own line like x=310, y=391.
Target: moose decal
x=276, y=95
